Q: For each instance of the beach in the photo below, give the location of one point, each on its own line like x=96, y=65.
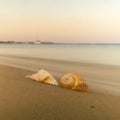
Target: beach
x=99, y=77
x=25, y=99
x=60, y=60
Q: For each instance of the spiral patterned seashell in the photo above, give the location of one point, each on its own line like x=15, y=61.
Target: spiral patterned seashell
x=74, y=81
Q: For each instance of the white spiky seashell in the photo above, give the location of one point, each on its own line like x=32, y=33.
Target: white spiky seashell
x=44, y=77
x=74, y=81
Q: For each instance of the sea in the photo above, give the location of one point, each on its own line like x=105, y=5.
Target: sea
x=108, y=54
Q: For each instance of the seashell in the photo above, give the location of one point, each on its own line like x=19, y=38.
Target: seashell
x=74, y=81
x=44, y=77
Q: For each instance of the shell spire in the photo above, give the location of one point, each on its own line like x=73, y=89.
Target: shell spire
x=74, y=81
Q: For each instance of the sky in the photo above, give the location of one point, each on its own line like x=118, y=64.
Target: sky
x=60, y=20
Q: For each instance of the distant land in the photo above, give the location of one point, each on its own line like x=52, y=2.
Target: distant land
x=43, y=42
x=21, y=42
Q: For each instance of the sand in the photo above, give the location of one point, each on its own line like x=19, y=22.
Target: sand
x=24, y=99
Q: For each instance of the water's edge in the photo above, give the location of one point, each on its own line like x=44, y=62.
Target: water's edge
x=100, y=78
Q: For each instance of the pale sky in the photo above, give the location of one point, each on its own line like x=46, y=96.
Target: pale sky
x=60, y=20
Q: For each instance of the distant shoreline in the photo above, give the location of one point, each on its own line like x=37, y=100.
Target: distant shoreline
x=13, y=42
x=51, y=43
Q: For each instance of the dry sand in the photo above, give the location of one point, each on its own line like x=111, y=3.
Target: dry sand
x=24, y=99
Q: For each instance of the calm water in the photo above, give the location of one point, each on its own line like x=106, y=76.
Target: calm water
x=102, y=54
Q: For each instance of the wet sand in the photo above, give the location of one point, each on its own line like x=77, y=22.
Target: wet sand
x=100, y=78
x=24, y=99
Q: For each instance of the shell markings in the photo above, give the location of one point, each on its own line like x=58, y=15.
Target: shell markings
x=74, y=81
